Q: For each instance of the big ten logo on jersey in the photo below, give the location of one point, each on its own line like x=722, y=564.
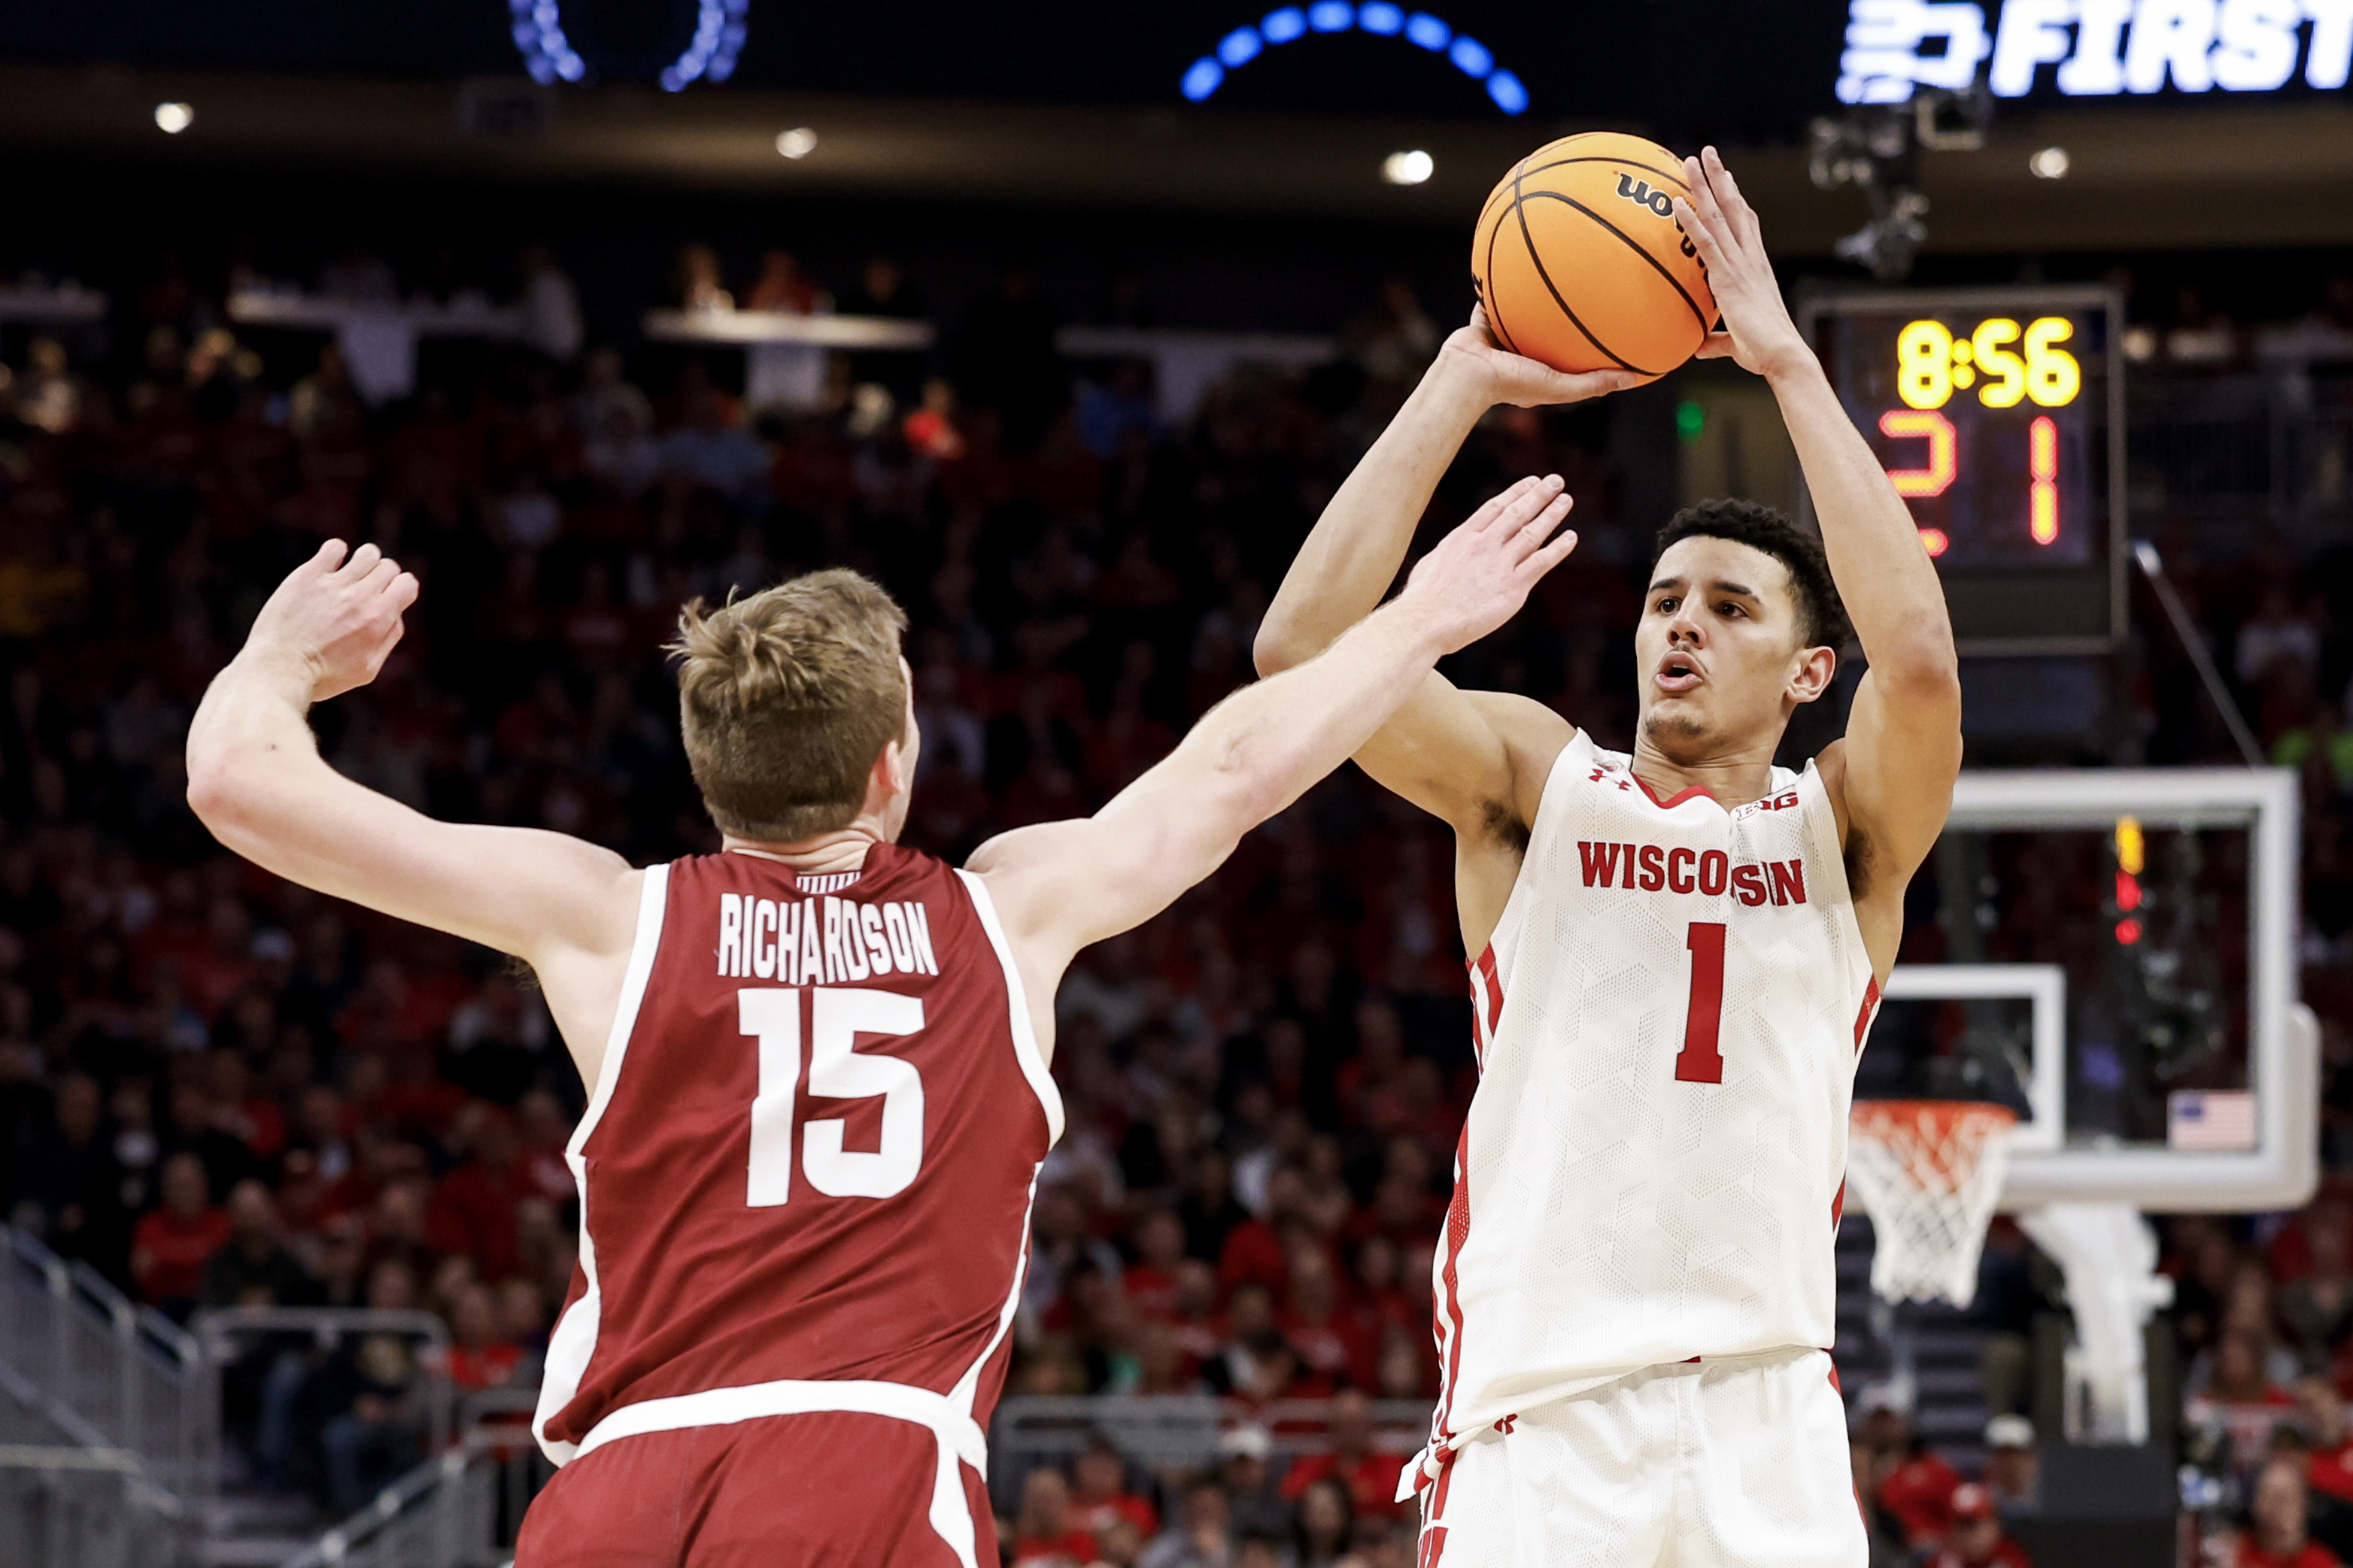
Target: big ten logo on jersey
x=822, y=941
x=1709, y=873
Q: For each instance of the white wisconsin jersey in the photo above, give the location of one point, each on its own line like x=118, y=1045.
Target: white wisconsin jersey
x=1668, y=1021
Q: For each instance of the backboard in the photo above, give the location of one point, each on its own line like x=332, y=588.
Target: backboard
x=2112, y=953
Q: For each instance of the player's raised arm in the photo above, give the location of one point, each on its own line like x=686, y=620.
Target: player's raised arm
x=256, y=779
x=1062, y=886
x=1446, y=750
x=1902, y=744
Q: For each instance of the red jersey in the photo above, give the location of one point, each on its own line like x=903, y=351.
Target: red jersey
x=807, y=1164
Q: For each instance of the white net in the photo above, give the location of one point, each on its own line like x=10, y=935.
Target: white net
x=1929, y=1173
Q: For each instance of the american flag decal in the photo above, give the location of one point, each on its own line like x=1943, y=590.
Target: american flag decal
x=2217, y=1120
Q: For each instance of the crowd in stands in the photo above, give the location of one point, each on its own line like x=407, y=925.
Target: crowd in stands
x=220, y=1089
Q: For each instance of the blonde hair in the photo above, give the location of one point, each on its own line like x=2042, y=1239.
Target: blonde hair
x=787, y=699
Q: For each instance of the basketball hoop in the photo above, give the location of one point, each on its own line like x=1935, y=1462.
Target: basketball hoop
x=1928, y=1172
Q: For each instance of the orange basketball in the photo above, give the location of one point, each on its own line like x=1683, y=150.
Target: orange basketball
x=1580, y=263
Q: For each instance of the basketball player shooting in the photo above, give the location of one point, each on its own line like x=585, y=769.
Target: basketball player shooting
x=816, y=1061
x=1678, y=954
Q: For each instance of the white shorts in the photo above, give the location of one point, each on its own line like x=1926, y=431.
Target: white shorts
x=1739, y=1463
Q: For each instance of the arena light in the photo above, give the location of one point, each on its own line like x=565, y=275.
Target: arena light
x=549, y=55
x=797, y=143
x=2050, y=163
x=172, y=118
x=1407, y=168
x=1288, y=24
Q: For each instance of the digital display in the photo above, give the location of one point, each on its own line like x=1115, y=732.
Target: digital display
x=1994, y=413
x=1981, y=422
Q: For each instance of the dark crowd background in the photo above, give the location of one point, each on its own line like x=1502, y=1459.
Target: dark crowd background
x=219, y=1089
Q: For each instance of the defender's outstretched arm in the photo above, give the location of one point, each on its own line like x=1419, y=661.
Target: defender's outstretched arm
x=1902, y=744
x=1064, y=885
x=256, y=779
x=1446, y=750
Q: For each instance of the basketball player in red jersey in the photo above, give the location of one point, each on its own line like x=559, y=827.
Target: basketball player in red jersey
x=816, y=1061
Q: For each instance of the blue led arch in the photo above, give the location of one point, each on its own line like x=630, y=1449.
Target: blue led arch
x=550, y=57
x=1288, y=24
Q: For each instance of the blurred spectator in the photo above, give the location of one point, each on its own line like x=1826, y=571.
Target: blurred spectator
x=2240, y=1398
x=1045, y=1532
x=1248, y=1494
x=709, y=450
x=1976, y=1539
x=370, y=1387
x=2276, y=1536
x=1202, y=1536
x=1322, y=1520
x=2328, y=1462
x=48, y=395
x=551, y=307
x=169, y=1245
x=1367, y=1476
x=783, y=286
x=1100, y=1497
x=1917, y=1487
x=481, y=1355
x=2316, y=1309
x=253, y=1267
x=2014, y=1469
x=69, y=1180
x=698, y=285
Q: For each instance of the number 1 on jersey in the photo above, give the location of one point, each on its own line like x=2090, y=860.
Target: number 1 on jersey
x=1699, y=1061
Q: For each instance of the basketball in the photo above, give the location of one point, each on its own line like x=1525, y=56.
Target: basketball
x=1580, y=263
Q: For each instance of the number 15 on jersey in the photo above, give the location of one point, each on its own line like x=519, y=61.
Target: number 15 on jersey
x=837, y=1016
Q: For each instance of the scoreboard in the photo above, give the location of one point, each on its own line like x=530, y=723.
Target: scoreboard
x=1999, y=415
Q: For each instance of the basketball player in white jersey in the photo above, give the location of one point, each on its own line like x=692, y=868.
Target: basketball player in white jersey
x=1677, y=955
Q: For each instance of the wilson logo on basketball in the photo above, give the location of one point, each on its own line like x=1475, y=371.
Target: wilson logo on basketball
x=1635, y=190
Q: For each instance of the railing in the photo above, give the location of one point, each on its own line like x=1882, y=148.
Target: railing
x=229, y=1333
x=1169, y=1432
x=138, y=1381
x=2274, y=445
x=459, y=1510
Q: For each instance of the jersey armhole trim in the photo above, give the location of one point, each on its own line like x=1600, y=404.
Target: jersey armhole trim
x=652, y=902
x=1017, y=998
x=571, y=1343
x=1578, y=751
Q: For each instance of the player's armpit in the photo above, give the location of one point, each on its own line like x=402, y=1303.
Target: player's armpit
x=1474, y=760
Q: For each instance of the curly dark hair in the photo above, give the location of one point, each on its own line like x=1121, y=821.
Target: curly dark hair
x=1821, y=618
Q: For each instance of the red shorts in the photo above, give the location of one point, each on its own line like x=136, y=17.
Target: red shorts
x=832, y=1490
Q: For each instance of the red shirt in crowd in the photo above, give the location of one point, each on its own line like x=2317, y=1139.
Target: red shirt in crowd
x=1071, y=1546
x=1371, y=1480
x=1253, y=1255
x=1102, y=1515
x=473, y=1211
x=168, y=1252
x=2314, y=1555
x=2331, y=1471
x=1919, y=1493
x=491, y=1366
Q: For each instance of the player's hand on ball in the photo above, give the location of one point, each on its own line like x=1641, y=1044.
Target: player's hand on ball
x=1757, y=333
x=1479, y=576
x=338, y=616
x=1507, y=377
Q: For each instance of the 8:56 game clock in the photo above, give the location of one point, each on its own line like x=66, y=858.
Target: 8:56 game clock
x=1998, y=414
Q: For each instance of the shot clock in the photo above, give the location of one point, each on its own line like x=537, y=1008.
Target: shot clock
x=1997, y=413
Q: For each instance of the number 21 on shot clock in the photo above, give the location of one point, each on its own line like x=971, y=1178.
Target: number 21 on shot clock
x=1986, y=407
